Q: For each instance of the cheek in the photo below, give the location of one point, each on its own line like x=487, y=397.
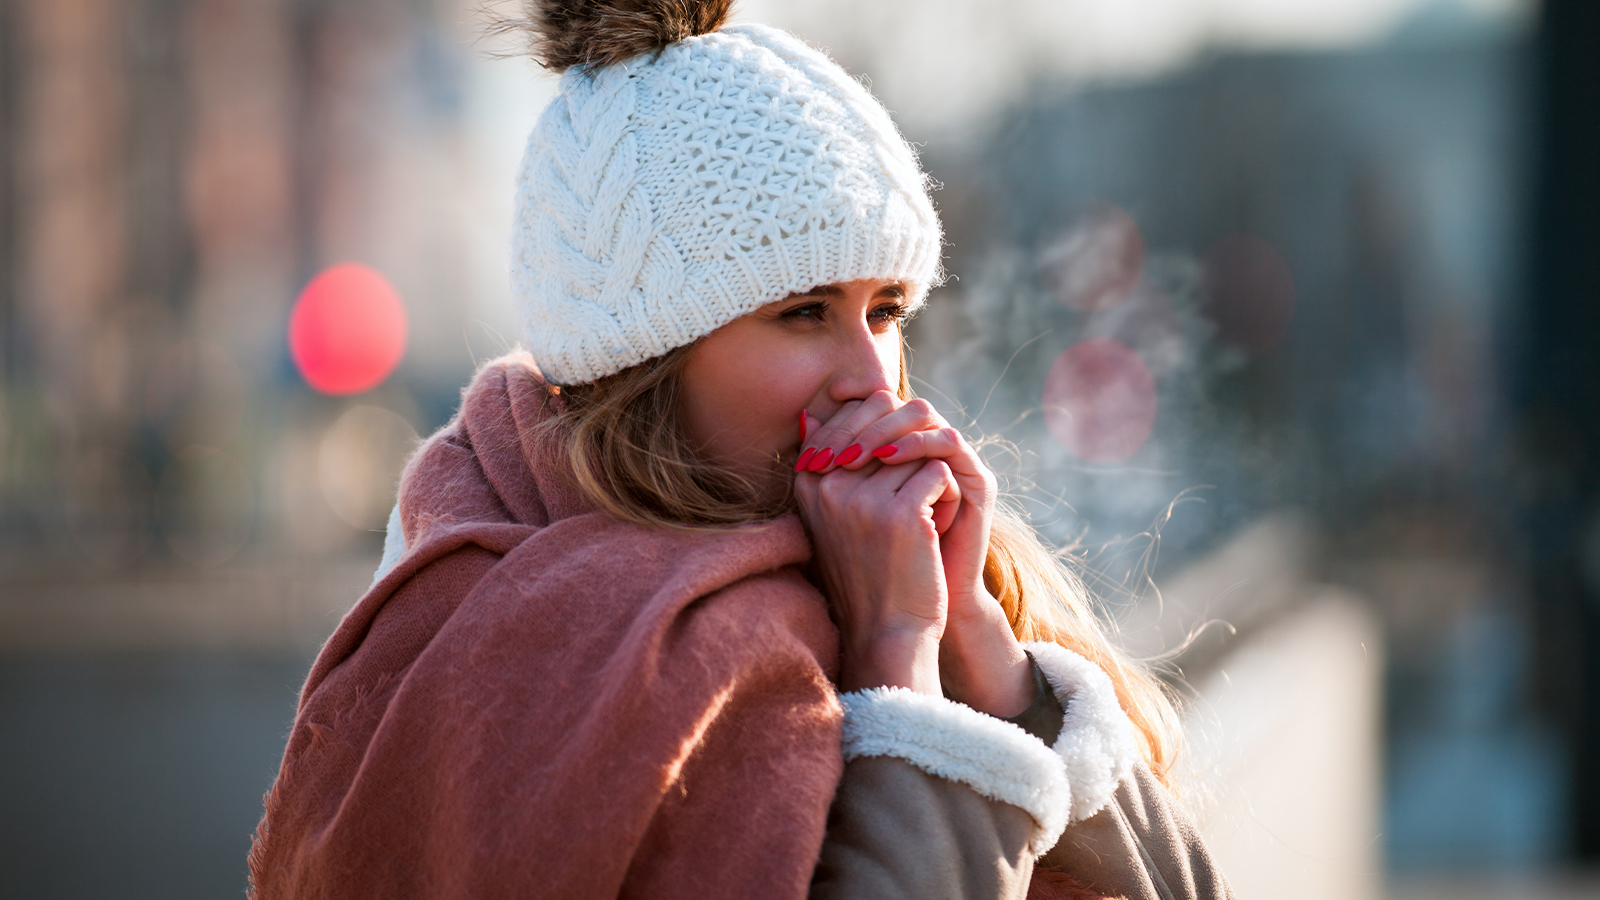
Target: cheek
x=742, y=404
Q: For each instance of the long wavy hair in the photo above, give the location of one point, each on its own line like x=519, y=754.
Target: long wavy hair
x=624, y=442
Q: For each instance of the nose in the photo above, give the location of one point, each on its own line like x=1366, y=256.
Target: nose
x=864, y=363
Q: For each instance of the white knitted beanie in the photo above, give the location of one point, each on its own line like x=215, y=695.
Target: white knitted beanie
x=667, y=192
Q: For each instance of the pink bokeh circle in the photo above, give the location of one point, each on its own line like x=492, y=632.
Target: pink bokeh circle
x=348, y=330
x=1100, y=400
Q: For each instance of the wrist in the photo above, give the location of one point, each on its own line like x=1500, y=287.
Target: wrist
x=981, y=662
x=905, y=656
x=1003, y=687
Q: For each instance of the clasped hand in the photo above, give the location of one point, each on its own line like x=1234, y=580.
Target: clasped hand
x=899, y=507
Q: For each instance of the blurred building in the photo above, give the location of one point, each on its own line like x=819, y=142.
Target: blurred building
x=182, y=520
x=1312, y=258
x=173, y=173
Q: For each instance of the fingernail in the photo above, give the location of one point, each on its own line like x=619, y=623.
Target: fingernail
x=802, y=425
x=886, y=450
x=848, y=455
x=821, y=460
x=800, y=464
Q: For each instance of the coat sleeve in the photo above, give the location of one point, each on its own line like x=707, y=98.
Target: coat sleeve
x=1127, y=837
x=936, y=801
x=1141, y=846
x=896, y=831
x=940, y=801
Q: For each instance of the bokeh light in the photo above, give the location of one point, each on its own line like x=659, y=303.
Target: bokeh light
x=1097, y=262
x=1249, y=292
x=348, y=330
x=1100, y=400
x=359, y=463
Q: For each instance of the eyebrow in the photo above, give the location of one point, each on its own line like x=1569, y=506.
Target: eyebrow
x=821, y=290
x=893, y=289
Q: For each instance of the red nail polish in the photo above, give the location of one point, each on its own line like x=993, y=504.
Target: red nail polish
x=848, y=455
x=802, y=425
x=821, y=460
x=800, y=464
x=886, y=451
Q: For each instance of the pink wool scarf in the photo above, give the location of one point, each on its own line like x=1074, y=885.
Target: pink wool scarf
x=541, y=700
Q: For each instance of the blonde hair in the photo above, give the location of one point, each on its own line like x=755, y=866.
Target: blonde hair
x=626, y=449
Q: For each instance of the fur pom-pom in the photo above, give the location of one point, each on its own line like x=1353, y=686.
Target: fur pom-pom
x=567, y=33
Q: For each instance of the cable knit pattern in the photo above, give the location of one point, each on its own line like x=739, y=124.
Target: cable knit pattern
x=1097, y=742
x=955, y=742
x=662, y=197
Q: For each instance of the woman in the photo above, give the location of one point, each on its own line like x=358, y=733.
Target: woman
x=695, y=601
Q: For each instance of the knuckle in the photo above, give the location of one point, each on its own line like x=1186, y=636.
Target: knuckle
x=920, y=407
x=908, y=511
x=832, y=491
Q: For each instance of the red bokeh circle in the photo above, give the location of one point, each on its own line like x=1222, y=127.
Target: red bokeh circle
x=1100, y=400
x=348, y=330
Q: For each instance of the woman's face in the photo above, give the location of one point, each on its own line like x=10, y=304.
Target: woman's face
x=745, y=384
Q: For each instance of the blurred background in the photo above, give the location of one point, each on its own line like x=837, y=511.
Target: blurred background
x=1282, y=313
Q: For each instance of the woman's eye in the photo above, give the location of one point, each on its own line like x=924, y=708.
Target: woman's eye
x=892, y=312
x=878, y=316
x=811, y=312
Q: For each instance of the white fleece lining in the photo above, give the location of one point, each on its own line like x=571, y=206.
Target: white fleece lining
x=1097, y=741
x=953, y=741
